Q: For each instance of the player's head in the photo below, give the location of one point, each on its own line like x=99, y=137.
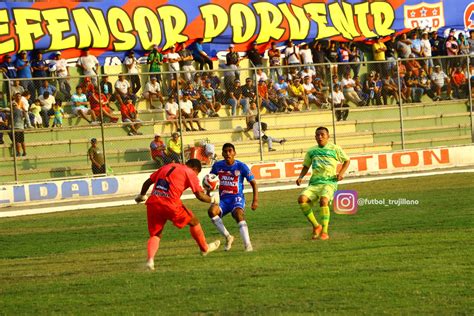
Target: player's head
x=194, y=164
x=322, y=135
x=228, y=152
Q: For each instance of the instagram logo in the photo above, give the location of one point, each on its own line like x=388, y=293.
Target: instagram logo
x=345, y=202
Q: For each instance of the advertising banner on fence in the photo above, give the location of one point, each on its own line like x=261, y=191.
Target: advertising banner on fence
x=111, y=27
x=283, y=171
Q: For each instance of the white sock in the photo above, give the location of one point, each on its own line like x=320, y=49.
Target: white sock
x=244, y=232
x=217, y=221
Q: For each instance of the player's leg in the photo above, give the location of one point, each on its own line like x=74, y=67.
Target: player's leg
x=198, y=235
x=216, y=212
x=305, y=202
x=326, y=194
x=155, y=228
x=238, y=215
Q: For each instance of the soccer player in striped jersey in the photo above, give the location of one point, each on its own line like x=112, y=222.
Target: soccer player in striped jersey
x=323, y=160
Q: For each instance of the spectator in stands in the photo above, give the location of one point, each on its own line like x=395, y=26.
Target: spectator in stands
x=195, y=97
x=440, y=81
x=416, y=45
x=235, y=98
x=260, y=74
x=259, y=131
x=188, y=113
x=306, y=56
x=123, y=90
x=319, y=57
x=452, y=49
x=45, y=86
x=131, y=63
x=459, y=83
x=284, y=101
x=425, y=84
x=389, y=89
x=251, y=117
x=297, y=92
x=173, y=148
x=307, y=72
x=310, y=91
x=378, y=50
x=426, y=52
x=403, y=46
x=338, y=101
x=216, y=85
x=274, y=56
x=25, y=106
x=87, y=86
x=3, y=125
x=23, y=71
x=80, y=106
x=16, y=88
x=350, y=94
x=157, y=150
x=39, y=66
x=233, y=60
x=413, y=65
x=208, y=100
x=173, y=59
x=343, y=56
x=200, y=56
x=437, y=47
x=264, y=98
x=98, y=102
x=152, y=92
x=292, y=54
x=331, y=56
x=411, y=81
x=470, y=41
x=155, y=60
x=62, y=72
x=96, y=157
x=171, y=110
x=35, y=109
x=106, y=88
x=254, y=55
x=356, y=56
x=186, y=62
x=47, y=102
x=8, y=68
x=273, y=95
x=359, y=89
x=17, y=120
x=391, y=53
x=58, y=114
x=130, y=116
x=88, y=64
x=249, y=92
x=373, y=88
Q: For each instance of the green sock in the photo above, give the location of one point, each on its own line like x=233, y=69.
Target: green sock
x=325, y=218
x=308, y=212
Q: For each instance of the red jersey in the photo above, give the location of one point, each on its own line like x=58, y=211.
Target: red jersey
x=94, y=101
x=128, y=111
x=170, y=181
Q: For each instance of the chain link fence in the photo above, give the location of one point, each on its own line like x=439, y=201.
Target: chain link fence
x=115, y=123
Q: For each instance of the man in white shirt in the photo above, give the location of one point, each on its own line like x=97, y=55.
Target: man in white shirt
x=173, y=60
x=89, y=65
x=349, y=92
x=190, y=116
x=132, y=69
x=260, y=133
x=47, y=102
x=260, y=75
x=153, y=91
x=123, y=90
x=59, y=67
x=338, y=101
x=292, y=54
x=426, y=51
x=171, y=109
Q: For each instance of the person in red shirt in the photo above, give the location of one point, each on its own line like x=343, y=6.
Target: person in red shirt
x=129, y=116
x=458, y=83
x=169, y=183
x=157, y=150
x=97, y=99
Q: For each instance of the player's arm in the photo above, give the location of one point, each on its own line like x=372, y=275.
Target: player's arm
x=253, y=183
x=303, y=172
x=344, y=167
x=146, y=185
x=203, y=197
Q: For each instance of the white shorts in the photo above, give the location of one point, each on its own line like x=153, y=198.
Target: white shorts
x=81, y=108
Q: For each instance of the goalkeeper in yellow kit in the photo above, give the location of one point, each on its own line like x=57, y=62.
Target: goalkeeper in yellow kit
x=323, y=160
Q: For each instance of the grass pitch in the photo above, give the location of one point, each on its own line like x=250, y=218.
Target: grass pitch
x=384, y=259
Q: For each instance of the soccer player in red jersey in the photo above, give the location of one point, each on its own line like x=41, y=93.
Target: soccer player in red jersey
x=169, y=183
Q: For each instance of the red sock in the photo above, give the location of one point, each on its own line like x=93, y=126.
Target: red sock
x=198, y=235
x=153, y=245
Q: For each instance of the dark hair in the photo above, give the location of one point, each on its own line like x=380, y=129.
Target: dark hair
x=322, y=128
x=194, y=164
x=264, y=126
x=228, y=145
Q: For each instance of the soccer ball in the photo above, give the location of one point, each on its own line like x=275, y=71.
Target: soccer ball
x=210, y=182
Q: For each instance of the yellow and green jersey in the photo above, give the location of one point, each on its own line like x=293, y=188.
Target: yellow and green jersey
x=323, y=162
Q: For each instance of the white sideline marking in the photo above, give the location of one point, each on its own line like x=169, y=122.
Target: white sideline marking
x=275, y=187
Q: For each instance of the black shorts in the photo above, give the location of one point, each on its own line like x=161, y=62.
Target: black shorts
x=19, y=137
x=98, y=170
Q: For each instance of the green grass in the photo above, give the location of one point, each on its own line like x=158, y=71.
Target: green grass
x=390, y=260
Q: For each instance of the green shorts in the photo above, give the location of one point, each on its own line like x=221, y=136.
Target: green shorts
x=315, y=192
